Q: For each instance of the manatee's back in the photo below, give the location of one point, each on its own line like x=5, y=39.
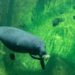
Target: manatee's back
x=15, y=34
x=12, y=32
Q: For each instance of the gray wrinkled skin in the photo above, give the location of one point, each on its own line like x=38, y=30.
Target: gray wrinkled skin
x=21, y=41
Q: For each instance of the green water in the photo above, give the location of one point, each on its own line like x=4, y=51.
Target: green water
x=37, y=17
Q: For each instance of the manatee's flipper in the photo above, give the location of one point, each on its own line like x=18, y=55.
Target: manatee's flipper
x=42, y=63
x=41, y=59
x=12, y=56
x=35, y=57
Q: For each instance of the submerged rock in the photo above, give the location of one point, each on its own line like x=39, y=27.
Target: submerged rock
x=56, y=21
x=74, y=17
x=74, y=7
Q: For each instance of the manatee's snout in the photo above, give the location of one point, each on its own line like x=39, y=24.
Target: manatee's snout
x=44, y=55
x=47, y=56
x=43, y=52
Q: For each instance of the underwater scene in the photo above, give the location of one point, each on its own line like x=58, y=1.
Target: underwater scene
x=37, y=37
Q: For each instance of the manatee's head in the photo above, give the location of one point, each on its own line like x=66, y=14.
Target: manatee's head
x=43, y=52
x=43, y=55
